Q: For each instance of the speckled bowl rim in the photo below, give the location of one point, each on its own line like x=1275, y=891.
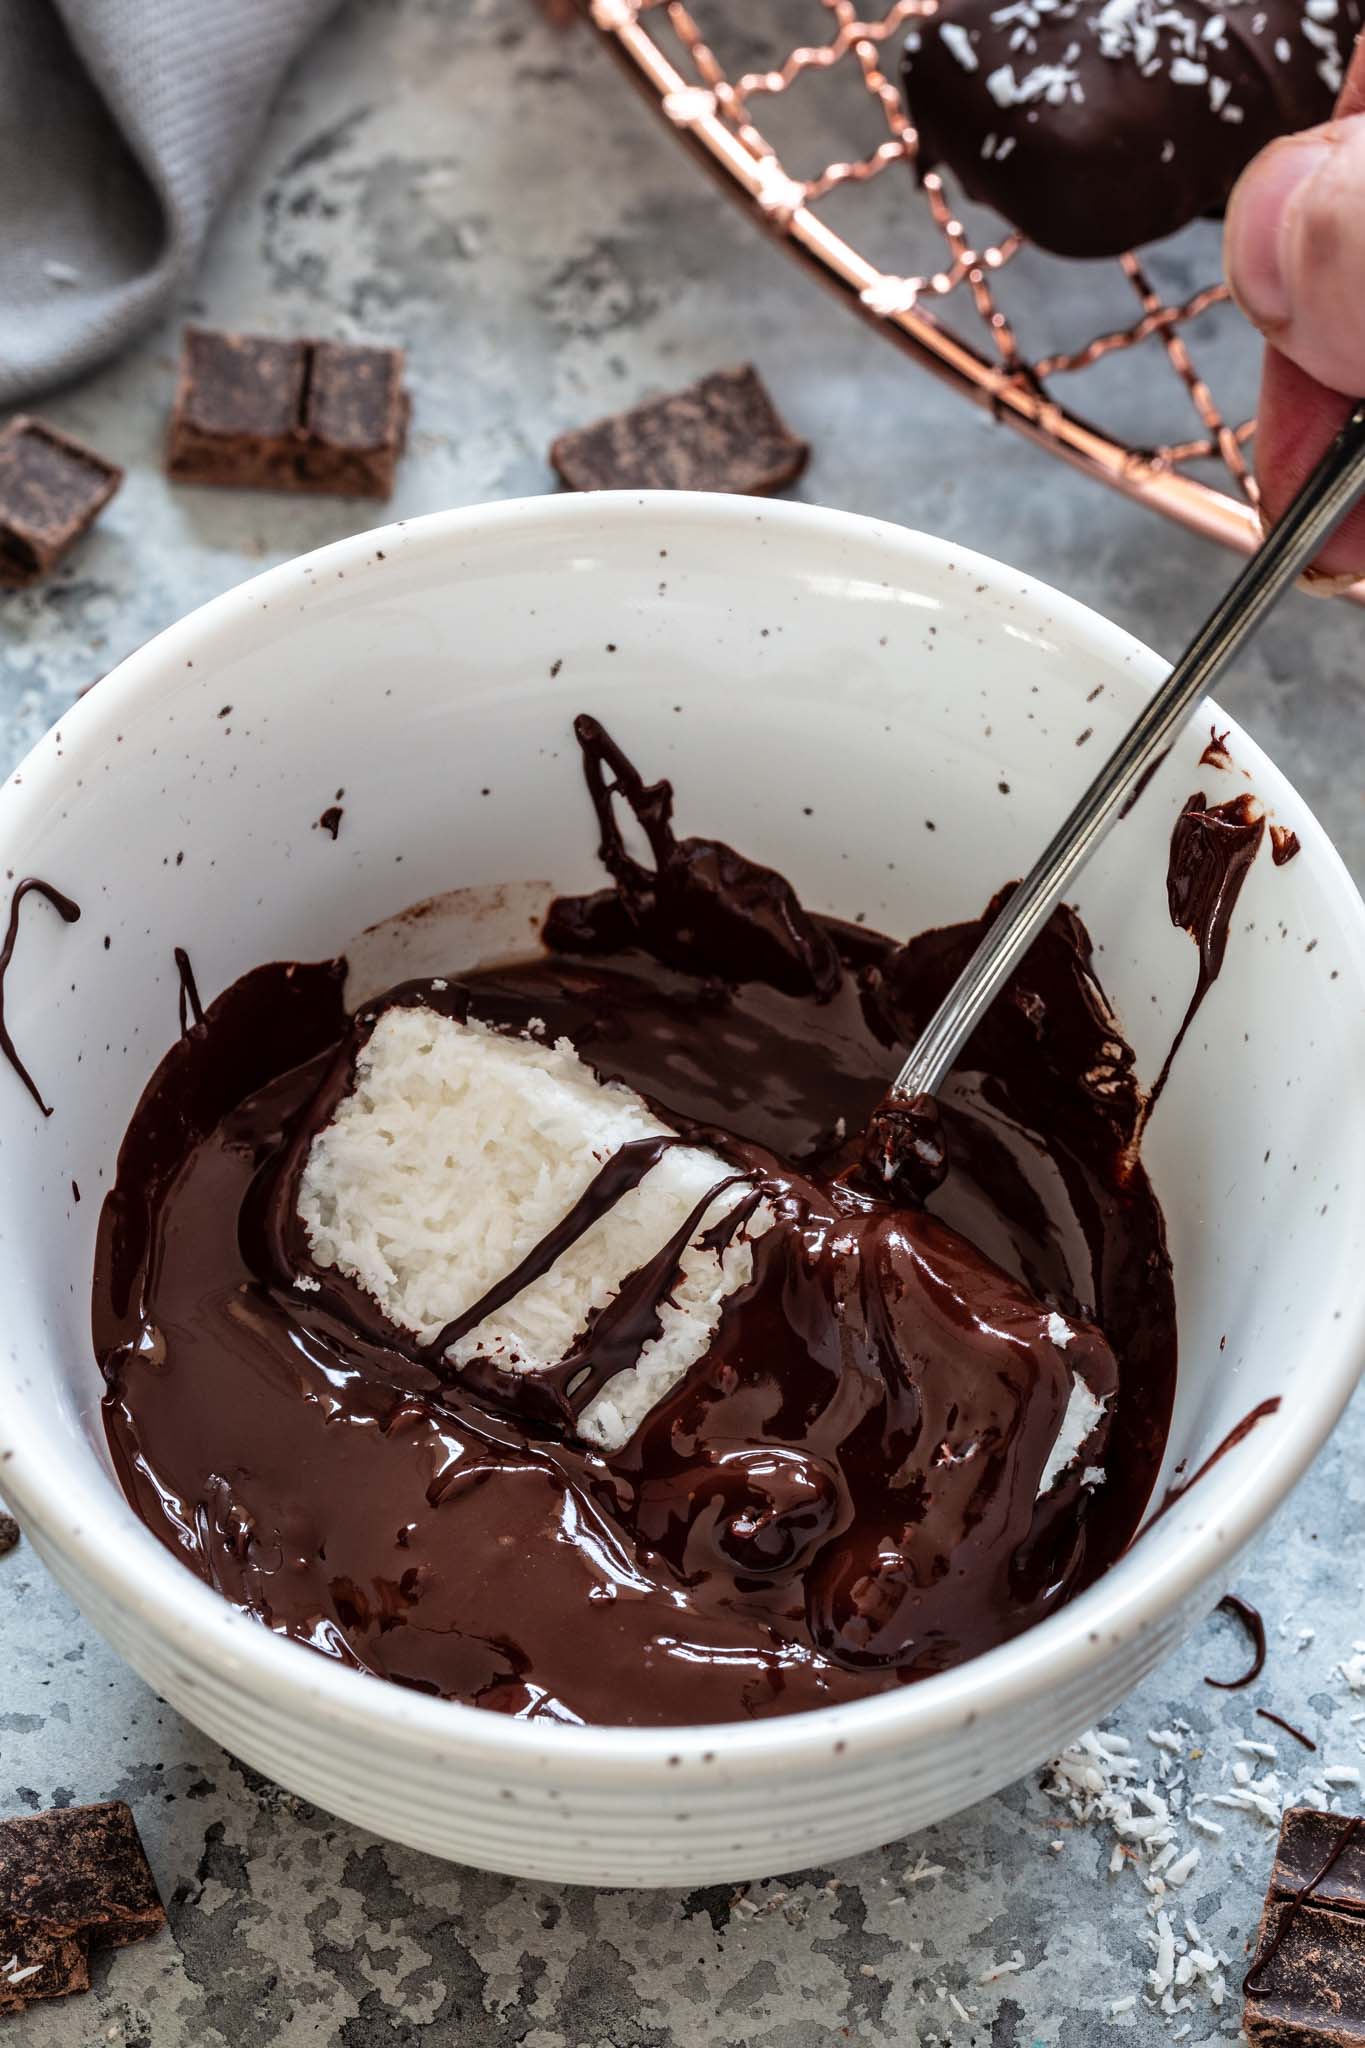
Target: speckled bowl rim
x=110, y=1548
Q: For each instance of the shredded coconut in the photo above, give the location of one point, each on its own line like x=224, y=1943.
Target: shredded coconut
x=958, y=43
x=457, y=1149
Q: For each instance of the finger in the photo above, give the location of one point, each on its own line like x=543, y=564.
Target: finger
x=1352, y=100
x=1295, y=250
x=1298, y=418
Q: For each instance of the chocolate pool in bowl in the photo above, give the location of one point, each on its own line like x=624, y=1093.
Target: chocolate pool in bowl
x=892, y=724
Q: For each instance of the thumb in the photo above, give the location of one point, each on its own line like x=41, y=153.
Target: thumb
x=1295, y=250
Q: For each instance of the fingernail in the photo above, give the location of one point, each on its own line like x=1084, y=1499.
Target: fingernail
x=1260, y=215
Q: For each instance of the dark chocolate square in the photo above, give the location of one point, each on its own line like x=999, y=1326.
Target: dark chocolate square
x=1307, y=1840
x=78, y=1870
x=355, y=419
x=1306, y=1984
x=38, y=1966
x=51, y=490
x=237, y=417
x=721, y=434
x=252, y=412
x=1311, y=1993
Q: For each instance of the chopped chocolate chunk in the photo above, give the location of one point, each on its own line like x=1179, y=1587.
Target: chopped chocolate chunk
x=238, y=409
x=36, y=1966
x=9, y=1533
x=51, y=491
x=255, y=412
x=78, y=1870
x=1306, y=1986
x=721, y=434
x=355, y=419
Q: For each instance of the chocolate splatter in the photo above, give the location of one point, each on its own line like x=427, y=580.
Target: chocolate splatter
x=68, y=912
x=188, y=994
x=1215, y=754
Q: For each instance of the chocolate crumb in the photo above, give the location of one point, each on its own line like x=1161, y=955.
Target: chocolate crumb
x=9, y=1534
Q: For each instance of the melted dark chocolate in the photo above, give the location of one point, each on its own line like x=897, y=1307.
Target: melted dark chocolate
x=1250, y=1618
x=68, y=912
x=843, y=1494
x=1284, y=844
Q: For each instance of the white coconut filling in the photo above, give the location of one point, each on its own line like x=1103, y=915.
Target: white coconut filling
x=1082, y=1418
x=458, y=1149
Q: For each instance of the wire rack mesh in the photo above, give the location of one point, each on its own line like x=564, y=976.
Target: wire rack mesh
x=1095, y=362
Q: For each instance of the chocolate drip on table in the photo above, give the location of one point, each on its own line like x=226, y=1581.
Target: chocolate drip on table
x=68, y=912
x=842, y=1495
x=1250, y=1618
x=1265, y=1714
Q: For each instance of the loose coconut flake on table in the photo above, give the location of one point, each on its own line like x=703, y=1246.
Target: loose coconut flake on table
x=1157, y=1810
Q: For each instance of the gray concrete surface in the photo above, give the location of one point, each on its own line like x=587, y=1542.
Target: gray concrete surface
x=541, y=271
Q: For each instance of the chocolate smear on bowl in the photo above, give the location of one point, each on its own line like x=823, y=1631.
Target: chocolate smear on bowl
x=1212, y=849
x=187, y=995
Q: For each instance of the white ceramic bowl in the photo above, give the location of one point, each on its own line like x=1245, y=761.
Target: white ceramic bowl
x=769, y=658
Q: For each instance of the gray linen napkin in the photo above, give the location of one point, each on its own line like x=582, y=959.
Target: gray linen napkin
x=122, y=124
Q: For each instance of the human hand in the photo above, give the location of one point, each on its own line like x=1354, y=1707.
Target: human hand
x=1294, y=248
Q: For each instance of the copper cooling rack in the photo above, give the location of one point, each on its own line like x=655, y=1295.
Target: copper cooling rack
x=1128, y=404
